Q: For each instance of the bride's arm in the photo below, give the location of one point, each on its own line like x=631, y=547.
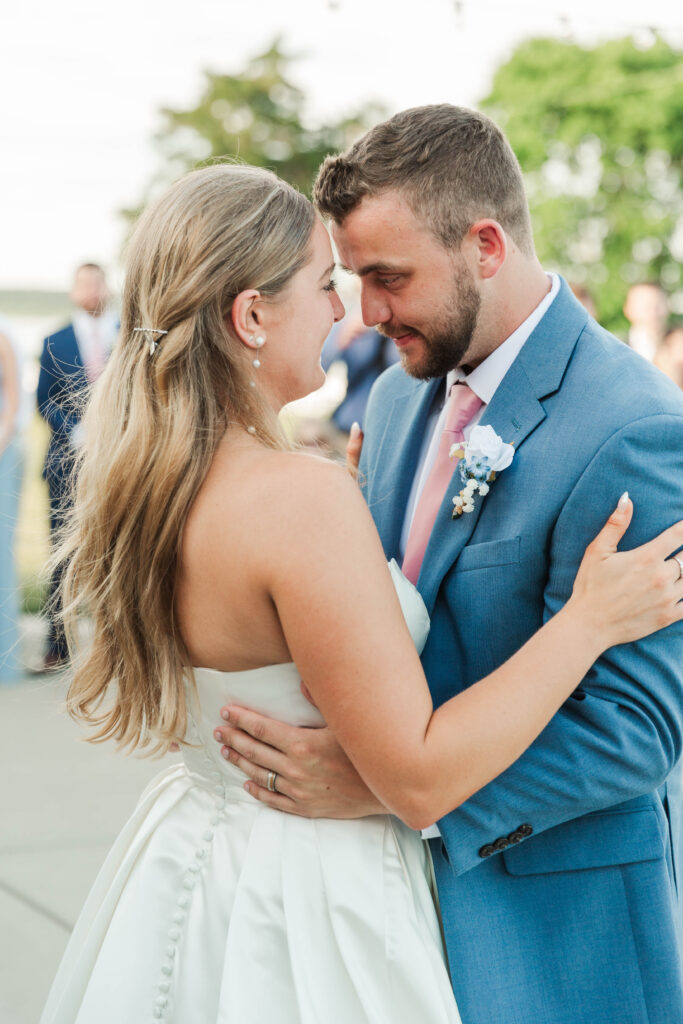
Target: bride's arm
x=327, y=576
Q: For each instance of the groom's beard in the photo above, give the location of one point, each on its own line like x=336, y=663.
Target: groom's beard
x=448, y=336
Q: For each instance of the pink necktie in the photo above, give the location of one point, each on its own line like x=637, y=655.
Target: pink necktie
x=463, y=404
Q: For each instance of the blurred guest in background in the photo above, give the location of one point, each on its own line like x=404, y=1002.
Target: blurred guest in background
x=10, y=483
x=71, y=361
x=366, y=354
x=669, y=356
x=647, y=310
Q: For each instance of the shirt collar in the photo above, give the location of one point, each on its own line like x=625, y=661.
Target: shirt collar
x=485, y=378
x=106, y=326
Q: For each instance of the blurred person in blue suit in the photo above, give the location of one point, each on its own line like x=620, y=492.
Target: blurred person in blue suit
x=12, y=420
x=366, y=354
x=71, y=361
x=559, y=881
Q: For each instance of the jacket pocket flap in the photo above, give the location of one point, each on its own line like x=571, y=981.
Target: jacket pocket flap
x=493, y=552
x=595, y=841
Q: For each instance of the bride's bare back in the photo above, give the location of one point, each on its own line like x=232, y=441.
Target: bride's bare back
x=226, y=614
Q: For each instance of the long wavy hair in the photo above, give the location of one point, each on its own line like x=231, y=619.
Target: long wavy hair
x=151, y=428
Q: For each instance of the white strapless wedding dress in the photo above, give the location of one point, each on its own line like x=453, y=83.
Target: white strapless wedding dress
x=211, y=908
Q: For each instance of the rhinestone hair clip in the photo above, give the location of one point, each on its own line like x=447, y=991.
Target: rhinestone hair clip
x=150, y=330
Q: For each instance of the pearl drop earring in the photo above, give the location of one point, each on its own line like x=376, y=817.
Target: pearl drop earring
x=259, y=342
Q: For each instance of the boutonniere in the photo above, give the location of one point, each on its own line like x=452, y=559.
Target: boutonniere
x=481, y=458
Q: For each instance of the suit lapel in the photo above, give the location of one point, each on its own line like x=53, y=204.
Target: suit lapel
x=388, y=489
x=78, y=360
x=514, y=412
x=67, y=353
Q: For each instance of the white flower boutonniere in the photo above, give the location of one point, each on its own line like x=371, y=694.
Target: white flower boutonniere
x=481, y=458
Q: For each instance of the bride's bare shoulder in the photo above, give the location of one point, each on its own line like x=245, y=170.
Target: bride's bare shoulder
x=275, y=484
x=303, y=480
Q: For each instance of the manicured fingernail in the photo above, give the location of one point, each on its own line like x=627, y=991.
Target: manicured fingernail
x=623, y=501
x=225, y=753
x=355, y=431
x=217, y=736
x=225, y=714
x=247, y=786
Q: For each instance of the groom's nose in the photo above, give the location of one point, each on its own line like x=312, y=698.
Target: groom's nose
x=374, y=307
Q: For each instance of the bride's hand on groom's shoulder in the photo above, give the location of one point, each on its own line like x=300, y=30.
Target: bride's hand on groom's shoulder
x=313, y=776
x=354, y=446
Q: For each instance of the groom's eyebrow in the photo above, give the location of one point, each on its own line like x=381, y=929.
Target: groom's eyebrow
x=373, y=268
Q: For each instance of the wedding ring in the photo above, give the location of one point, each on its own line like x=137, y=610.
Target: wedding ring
x=272, y=776
x=680, y=567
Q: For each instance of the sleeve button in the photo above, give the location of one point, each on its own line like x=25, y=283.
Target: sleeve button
x=486, y=850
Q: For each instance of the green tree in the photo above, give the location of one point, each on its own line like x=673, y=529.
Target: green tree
x=599, y=134
x=257, y=116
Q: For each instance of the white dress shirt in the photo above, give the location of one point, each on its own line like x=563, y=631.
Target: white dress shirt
x=94, y=333
x=484, y=381
x=95, y=337
x=642, y=342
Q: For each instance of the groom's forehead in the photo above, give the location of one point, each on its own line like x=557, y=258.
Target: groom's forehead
x=380, y=235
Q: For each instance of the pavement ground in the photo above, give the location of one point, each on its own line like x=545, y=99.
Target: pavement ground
x=62, y=803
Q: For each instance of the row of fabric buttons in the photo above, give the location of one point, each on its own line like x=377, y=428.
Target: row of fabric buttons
x=502, y=843
x=162, y=1002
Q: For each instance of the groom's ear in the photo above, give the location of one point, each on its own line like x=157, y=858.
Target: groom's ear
x=487, y=240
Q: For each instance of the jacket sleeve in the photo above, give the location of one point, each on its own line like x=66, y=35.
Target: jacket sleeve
x=56, y=403
x=621, y=733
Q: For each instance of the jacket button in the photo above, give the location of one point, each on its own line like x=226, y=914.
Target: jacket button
x=501, y=844
x=515, y=837
x=525, y=830
x=487, y=850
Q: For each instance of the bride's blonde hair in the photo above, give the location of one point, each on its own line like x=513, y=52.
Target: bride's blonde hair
x=152, y=426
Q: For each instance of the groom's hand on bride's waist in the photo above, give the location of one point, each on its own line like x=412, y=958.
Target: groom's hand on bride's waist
x=313, y=776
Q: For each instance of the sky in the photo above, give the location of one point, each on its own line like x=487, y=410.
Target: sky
x=81, y=86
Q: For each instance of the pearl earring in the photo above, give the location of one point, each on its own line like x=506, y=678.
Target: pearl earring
x=259, y=342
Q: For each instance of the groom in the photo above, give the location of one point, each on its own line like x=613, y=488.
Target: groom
x=558, y=882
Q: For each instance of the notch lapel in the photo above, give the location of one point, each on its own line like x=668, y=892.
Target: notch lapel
x=514, y=412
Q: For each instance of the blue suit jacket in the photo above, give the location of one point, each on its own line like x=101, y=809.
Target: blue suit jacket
x=62, y=391
x=559, y=880
x=365, y=358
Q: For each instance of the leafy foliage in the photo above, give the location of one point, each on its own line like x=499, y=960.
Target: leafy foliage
x=599, y=135
x=257, y=116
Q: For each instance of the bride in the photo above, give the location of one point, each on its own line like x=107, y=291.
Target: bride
x=201, y=538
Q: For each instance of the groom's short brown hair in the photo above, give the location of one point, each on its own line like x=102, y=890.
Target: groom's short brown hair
x=453, y=165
